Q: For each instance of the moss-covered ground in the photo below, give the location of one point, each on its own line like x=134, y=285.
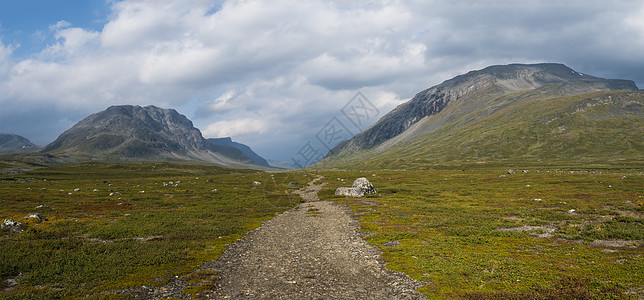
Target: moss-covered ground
x=486, y=234
x=126, y=225
x=478, y=233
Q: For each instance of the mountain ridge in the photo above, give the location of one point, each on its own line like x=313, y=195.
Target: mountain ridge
x=434, y=99
x=227, y=141
x=12, y=143
x=467, y=99
x=135, y=133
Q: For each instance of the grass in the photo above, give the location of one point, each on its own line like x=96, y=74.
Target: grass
x=115, y=226
x=449, y=227
x=477, y=233
x=601, y=128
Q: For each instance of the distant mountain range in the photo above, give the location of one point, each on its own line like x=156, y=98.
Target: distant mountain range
x=135, y=133
x=228, y=142
x=13, y=143
x=513, y=113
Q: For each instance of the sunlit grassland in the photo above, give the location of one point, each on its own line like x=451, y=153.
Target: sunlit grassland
x=485, y=234
x=127, y=225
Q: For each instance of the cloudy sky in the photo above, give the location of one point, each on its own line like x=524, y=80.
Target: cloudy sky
x=272, y=74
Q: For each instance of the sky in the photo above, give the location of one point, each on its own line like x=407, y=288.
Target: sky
x=280, y=76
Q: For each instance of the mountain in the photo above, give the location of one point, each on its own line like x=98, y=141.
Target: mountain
x=514, y=112
x=12, y=143
x=135, y=133
x=228, y=142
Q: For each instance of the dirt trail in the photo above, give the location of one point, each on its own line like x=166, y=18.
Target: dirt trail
x=313, y=251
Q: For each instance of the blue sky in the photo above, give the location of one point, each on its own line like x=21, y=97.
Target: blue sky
x=272, y=74
x=28, y=22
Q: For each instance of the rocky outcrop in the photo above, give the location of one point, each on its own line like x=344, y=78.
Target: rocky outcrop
x=361, y=187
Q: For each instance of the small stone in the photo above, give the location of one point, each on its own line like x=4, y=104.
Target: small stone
x=13, y=226
x=43, y=207
x=572, y=211
x=256, y=183
x=39, y=218
x=510, y=171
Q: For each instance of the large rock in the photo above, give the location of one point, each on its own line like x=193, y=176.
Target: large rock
x=13, y=226
x=364, y=185
x=349, y=192
x=360, y=187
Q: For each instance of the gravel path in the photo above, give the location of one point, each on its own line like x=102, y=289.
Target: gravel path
x=313, y=251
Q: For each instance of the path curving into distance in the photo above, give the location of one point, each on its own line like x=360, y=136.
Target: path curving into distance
x=313, y=251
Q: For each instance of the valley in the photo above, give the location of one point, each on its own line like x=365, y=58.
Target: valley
x=478, y=233
x=509, y=182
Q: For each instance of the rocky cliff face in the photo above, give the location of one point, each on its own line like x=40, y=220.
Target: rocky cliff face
x=141, y=133
x=475, y=86
x=13, y=143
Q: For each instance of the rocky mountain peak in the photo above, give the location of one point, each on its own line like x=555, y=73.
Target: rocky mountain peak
x=487, y=83
x=13, y=143
x=129, y=132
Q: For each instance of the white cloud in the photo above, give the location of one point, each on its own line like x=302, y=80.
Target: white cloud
x=236, y=127
x=5, y=59
x=274, y=72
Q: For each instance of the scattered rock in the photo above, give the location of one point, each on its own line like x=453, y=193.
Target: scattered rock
x=256, y=183
x=293, y=183
x=13, y=226
x=572, y=211
x=39, y=218
x=510, y=171
x=12, y=282
x=43, y=207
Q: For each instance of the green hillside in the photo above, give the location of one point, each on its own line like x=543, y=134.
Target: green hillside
x=526, y=127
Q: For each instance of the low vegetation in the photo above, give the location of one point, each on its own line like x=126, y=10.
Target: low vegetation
x=116, y=226
x=601, y=128
x=485, y=234
x=477, y=233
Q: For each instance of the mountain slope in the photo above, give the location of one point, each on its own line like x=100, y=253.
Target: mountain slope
x=134, y=133
x=458, y=120
x=13, y=143
x=228, y=142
